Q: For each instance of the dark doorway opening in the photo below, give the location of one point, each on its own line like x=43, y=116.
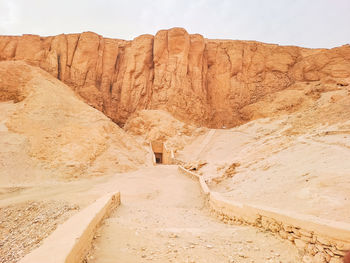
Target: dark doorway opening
x=159, y=157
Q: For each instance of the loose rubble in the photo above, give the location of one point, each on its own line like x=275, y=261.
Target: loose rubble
x=23, y=226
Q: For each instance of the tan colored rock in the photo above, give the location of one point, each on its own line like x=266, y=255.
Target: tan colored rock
x=319, y=258
x=283, y=234
x=342, y=246
x=300, y=244
x=307, y=259
x=311, y=249
x=274, y=227
x=319, y=247
x=198, y=80
x=323, y=241
x=336, y=260
x=329, y=252
x=305, y=233
x=287, y=228
x=306, y=239
x=291, y=238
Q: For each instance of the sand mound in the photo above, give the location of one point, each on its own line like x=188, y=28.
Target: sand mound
x=299, y=153
x=157, y=125
x=48, y=132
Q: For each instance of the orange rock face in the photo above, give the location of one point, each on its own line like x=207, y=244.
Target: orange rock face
x=198, y=80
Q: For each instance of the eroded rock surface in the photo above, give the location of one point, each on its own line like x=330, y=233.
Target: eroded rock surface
x=198, y=80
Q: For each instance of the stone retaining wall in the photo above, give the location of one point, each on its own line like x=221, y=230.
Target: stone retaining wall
x=153, y=155
x=320, y=240
x=70, y=242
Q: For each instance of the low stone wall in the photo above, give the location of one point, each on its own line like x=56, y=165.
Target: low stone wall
x=70, y=242
x=168, y=155
x=321, y=240
x=153, y=155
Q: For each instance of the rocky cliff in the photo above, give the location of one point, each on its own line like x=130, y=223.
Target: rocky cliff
x=201, y=81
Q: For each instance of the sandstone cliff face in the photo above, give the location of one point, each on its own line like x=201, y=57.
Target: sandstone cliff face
x=198, y=80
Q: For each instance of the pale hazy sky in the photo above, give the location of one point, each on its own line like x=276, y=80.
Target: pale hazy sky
x=308, y=23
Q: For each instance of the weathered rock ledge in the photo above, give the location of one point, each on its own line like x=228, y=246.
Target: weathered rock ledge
x=198, y=80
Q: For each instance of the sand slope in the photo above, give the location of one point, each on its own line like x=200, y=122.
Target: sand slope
x=46, y=131
x=294, y=156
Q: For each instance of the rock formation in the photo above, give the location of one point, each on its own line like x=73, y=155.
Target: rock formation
x=198, y=80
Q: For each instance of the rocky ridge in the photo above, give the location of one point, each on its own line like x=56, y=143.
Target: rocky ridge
x=198, y=80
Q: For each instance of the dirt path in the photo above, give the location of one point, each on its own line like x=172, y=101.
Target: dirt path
x=163, y=219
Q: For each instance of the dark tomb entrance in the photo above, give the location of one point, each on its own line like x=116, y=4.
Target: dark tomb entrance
x=159, y=157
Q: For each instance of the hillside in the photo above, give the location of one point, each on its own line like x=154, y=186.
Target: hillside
x=47, y=132
x=294, y=156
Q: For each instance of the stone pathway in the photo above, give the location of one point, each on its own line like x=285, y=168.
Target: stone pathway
x=163, y=218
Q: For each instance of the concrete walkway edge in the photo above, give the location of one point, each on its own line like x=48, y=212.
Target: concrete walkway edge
x=70, y=242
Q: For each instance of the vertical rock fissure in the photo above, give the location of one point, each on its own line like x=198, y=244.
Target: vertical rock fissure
x=59, y=66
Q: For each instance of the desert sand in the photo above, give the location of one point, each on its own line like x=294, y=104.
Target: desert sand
x=262, y=124
x=49, y=133
x=301, y=156
x=163, y=218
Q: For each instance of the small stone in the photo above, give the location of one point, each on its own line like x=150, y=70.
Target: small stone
x=343, y=246
x=319, y=247
x=274, y=227
x=323, y=241
x=296, y=231
x=283, y=234
x=305, y=233
x=287, y=228
x=306, y=239
x=307, y=259
x=339, y=253
x=242, y=255
x=300, y=244
x=291, y=238
x=319, y=258
x=336, y=260
x=311, y=249
x=329, y=252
